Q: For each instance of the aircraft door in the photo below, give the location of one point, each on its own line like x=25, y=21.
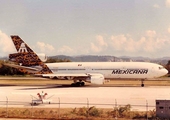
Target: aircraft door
x=88, y=69
x=152, y=73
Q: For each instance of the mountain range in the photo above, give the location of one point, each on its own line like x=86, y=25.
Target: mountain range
x=107, y=58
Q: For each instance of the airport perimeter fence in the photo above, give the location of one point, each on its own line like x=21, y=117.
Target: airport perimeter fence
x=59, y=105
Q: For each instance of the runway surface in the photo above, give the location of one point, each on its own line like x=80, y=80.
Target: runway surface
x=70, y=97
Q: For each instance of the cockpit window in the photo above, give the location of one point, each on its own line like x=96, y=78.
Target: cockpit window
x=161, y=68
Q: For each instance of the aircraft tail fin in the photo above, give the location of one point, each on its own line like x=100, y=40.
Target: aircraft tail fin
x=26, y=56
x=19, y=44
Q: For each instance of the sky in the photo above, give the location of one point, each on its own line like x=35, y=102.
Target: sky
x=87, y=27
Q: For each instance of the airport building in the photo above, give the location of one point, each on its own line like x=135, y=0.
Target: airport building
x=163, y=108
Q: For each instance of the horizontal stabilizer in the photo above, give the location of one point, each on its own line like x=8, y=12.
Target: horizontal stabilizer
x=22, y=67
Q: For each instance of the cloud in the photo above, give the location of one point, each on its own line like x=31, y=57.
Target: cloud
x=98, y=45
x=167, y=3
x=156, y=6
x=118, y=41
x=150, y=33
x=169, y=30
x=122, y=44
x=146, y=45
x=45, y=48
x=100, y=41
x=125, y=43
x=6, y=45
x=65, y=50
x=149, y=43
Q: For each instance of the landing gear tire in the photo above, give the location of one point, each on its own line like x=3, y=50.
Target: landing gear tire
x=142, y=83
x=82, y=83
x=73, y=84
x=78, y=84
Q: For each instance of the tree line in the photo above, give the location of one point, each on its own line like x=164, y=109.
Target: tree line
x=53, y=60
x=6, y=70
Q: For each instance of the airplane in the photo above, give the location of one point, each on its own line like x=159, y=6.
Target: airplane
x=80, y=72
x=41, y=99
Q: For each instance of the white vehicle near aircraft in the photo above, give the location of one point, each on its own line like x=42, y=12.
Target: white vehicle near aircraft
x=41, y=99
x=80, y=72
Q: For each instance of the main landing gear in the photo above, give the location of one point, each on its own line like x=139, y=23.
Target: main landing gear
x=142, y=83
x=77, y=84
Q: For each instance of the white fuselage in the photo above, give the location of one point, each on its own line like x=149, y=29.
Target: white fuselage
x=111, y=70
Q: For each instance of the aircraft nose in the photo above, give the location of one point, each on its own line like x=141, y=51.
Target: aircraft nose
x=166, y=71
x=161, y=71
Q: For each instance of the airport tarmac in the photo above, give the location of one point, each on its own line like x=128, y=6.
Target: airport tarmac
x=140, y=98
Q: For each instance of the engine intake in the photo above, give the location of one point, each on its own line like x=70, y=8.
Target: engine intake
x=42, y=57
x=96, y=79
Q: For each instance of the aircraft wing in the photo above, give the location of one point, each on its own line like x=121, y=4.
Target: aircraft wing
x=66, y=75
x=94, y=78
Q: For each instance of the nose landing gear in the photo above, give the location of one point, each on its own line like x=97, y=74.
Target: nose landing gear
x=142, y=83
